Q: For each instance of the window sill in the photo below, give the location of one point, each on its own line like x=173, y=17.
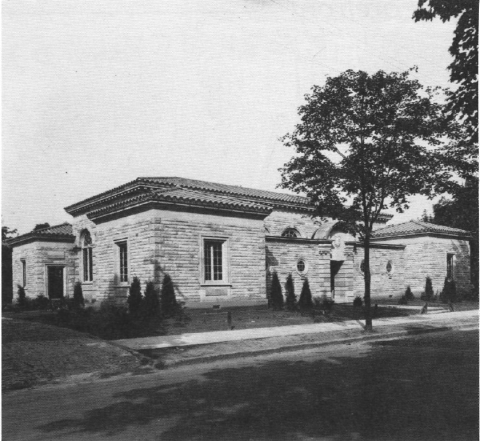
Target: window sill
x=87, y=283
x=123, y=285
x=215, y=283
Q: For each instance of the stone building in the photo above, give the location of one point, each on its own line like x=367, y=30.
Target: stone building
x=221, y=243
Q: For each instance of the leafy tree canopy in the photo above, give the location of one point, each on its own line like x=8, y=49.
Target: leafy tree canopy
x=464, y=49
x=8, y=233
x=366, y=143
x=41, y=226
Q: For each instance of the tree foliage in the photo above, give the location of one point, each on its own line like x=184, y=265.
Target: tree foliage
x=291, y=298
x=168, y=301
x=366, y=143
x=41, y=226
x=305, y=301
x=151, y=302
x=134, y=299
x=464, y=49
x=276, y=296
x=78, y=299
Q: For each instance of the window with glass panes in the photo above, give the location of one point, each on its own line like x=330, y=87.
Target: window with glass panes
x=450, y=264
x=213, y=260
x=87, y=257
x=123, y=260
x=24, y=272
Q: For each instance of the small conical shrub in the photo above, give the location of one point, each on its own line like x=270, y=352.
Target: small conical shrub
x=22, y=297
x=449, y=292
x=291, y=298
x=409, y=294
x=427, y=295
x=305, y=301
x=168, y=302
x=357, y=302
x=151, y=302
x=134, y=299
x=276, y=296
x=78, y=300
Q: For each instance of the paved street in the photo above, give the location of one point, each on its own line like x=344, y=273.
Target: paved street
x=415, y=388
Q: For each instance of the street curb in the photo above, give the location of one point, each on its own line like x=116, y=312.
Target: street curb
x=167, y=364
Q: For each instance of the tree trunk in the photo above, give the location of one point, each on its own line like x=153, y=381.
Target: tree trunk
x=366, y=263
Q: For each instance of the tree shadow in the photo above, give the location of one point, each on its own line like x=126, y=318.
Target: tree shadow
x=382, y=394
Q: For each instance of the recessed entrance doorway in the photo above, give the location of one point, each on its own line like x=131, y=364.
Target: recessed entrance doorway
x=55, y=282
x=335, y=266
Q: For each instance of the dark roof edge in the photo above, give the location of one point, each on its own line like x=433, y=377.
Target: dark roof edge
x=425, y=233
x=37, y=235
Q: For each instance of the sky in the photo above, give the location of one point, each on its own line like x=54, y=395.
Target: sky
x=97, y=93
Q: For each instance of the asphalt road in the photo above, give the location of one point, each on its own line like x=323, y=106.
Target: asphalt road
x=416, y=388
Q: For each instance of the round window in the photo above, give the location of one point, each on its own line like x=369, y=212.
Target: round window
x=389, y=267
x=301, y=266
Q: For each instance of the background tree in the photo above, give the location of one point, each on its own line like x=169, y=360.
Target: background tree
x=462, y=210
x=291, y=298
x=41, y=226
x=7, y=270
x=463, y=102
x=364, y=144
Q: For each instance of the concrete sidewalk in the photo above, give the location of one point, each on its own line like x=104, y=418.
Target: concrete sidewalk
x=210, y=346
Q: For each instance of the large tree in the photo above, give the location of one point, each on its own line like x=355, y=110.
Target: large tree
x=463, y=102
x=366, y=143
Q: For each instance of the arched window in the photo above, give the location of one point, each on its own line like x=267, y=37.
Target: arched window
x=362, y=266
x=87, y=256
x=290, y=232
x=389, y=267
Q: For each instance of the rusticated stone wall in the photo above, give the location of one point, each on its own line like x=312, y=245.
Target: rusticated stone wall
x=37, y=256
x=161, y=241
x=427, y=256
x=384, y=285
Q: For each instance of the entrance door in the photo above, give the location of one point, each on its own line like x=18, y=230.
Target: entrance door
x=55, y=282
x=334, y=268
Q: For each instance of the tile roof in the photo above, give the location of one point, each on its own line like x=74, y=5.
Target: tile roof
x=62, y=232
x=182, y=196
x=414, y=227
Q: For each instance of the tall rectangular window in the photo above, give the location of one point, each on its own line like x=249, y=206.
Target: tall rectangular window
x=87, y=265
x=450, y=266
x=213, y=260
x=123, y=260
x=24, y=272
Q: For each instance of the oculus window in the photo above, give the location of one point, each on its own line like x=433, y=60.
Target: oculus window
x=290, y=232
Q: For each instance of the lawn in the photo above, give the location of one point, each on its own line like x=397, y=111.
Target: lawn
x=206, y=320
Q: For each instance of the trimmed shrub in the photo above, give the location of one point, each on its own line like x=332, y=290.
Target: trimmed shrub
x=427, y=295
x=276, y=295
x=151, y=302
x=134, y=299
x=357, y=302
x=327, y=303
x=168, y=302
x=78, y=301
x=449, y=292
x=40, y=303
x=409, y=294
x=305, y=301
x=22, y=297
x=403, y=300
x=291, y=298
